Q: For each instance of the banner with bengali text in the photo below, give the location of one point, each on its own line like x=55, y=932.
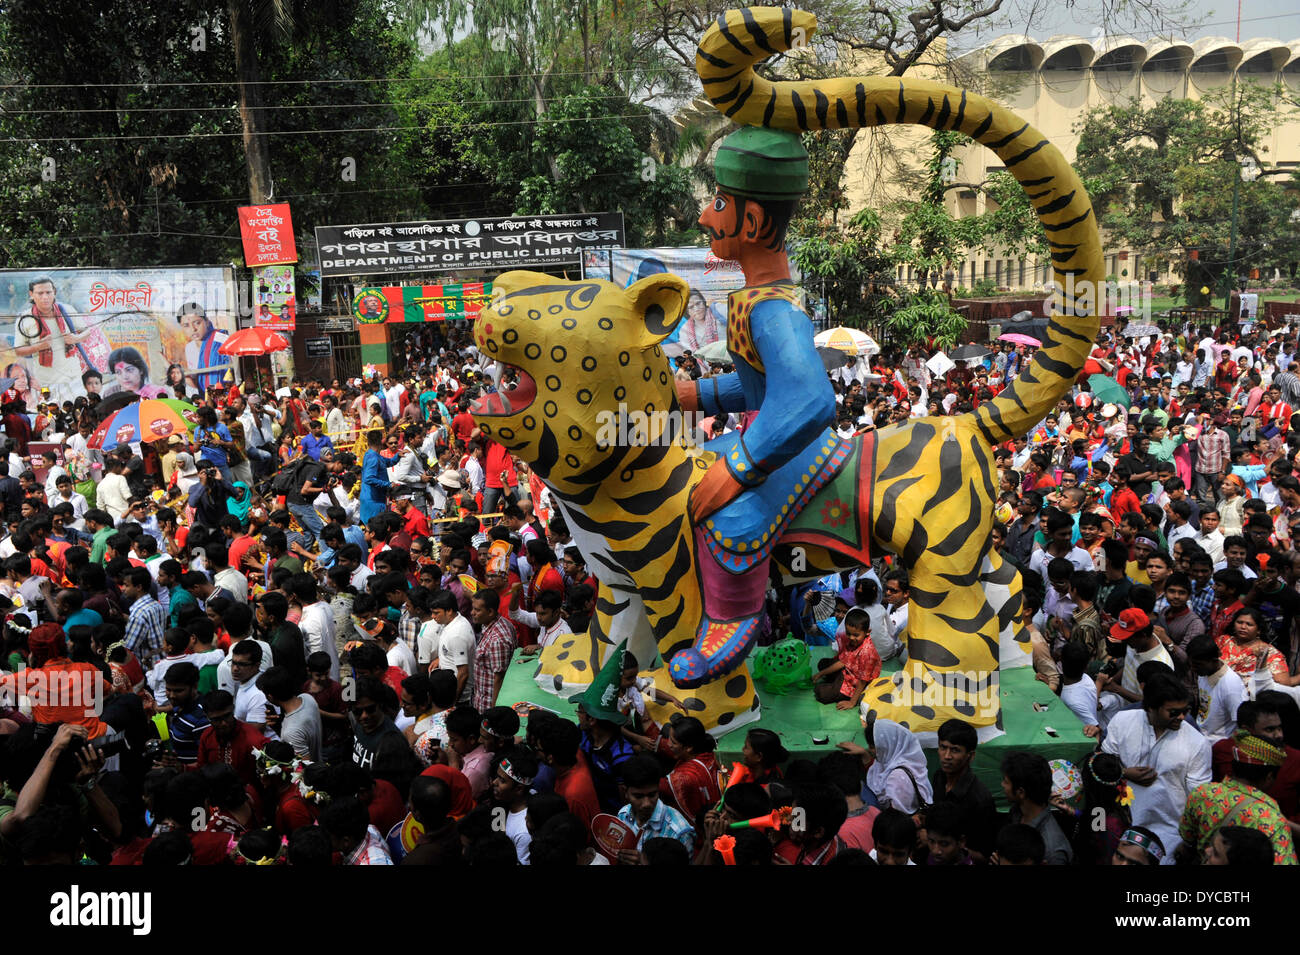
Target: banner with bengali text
x=509, y=242
x=267, y=233
x=381, y=304
x=108, y=330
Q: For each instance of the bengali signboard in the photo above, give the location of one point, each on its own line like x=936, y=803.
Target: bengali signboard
x=317, y=347
x=76, y=331
x=267, y=232
x=461, y=244
x=381, y=304
x=276, y=303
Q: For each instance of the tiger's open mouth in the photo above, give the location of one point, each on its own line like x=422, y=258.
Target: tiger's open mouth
x=503, y=403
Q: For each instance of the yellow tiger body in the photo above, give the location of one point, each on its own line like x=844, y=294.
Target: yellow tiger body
x=592, y=351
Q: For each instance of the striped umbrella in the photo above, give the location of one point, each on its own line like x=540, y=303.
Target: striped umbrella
x=148, y=420
x=848, y=340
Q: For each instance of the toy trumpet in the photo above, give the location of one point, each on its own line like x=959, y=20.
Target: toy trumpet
x=773, y=820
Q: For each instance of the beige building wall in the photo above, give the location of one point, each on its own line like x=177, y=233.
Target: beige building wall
x=1053, y=84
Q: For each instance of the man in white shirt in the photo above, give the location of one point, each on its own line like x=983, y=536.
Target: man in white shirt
x=1164, y=756
x=456, y=644
x=393, y=392
x=894, y=598
x=65, y=493
x=1133, y=628
x=256, y=426
x=52, y=477
x=250, y=702
x=474, y=468
x=336, y=423
x=1219, y=689
x=113, y=495
x=226, y=577
x=1210, y=538
x=317, y=622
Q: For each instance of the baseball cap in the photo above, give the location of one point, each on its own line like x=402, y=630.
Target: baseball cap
x=1130, y=622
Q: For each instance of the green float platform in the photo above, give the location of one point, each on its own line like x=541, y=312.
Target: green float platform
x=797, y=717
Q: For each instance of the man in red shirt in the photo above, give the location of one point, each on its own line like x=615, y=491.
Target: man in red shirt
x=463, y=424
x=500, y=479
x=414, y=523
x=229, y=740
x=1122, y=499
x=559, y=742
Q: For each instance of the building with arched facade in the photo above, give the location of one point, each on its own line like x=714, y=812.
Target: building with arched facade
x=1054, y=83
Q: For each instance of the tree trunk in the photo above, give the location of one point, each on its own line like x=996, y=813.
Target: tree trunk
x=247, y=73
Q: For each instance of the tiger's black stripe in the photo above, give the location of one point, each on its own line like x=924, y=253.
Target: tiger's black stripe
x=1017, y=159
x=740, y=100
x=945, y=110
x=672, y=579
x=949, y=476
x=756, y=32
x=657, y=546
x=648, y=501
x=960, y=534
x=731, y=37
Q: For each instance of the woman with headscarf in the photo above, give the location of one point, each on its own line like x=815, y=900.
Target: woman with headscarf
x=897, y=772
x=186, y=473
x=240, y=501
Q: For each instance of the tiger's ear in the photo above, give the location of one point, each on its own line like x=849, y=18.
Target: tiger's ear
x=658, y=301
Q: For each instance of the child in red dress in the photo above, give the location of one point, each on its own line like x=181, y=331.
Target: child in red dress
x=843, y=679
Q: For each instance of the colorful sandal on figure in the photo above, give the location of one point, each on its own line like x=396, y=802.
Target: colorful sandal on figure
x=719, y=648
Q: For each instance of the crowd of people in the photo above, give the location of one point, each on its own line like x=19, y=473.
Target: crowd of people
x=282, y=637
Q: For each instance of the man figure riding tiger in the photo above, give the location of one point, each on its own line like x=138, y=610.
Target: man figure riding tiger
x=755, y=486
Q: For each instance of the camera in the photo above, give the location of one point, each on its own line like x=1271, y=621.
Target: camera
x=111, y=748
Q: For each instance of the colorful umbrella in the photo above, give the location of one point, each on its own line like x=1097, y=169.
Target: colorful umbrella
x=1109, y=390
x=849, y=340
x=148, y=420
x=1019, y=339
x=183, y=408
x=253, y=341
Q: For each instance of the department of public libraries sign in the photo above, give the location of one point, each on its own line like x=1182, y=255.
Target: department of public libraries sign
x=462, y=244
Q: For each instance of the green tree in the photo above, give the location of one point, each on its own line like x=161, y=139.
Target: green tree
x=847, y=268
x=123, y=143
x=1162, y=180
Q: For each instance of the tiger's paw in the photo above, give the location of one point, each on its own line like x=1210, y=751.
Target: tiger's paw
x=922, y=700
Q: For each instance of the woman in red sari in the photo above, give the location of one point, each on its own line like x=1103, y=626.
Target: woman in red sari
x=692, y=784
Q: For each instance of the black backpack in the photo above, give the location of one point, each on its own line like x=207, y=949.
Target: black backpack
x=288, y=479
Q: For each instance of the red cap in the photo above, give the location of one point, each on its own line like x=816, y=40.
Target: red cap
x=1130, y=622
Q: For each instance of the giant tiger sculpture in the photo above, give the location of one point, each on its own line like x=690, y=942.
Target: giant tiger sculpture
x=588, y=352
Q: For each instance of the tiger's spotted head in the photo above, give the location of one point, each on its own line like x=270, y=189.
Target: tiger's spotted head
x=585, y=352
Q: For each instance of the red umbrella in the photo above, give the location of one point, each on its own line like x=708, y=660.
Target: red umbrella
x=253, y=341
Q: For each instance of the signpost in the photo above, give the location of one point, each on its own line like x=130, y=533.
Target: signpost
x=458, y=245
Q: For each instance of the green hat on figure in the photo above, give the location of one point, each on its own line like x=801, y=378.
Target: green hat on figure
x=600, y=700
x=758, y=163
